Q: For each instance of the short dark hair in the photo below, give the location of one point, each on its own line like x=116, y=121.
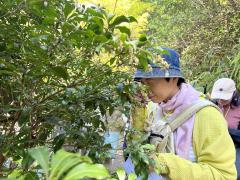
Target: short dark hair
x=180, y=81
x=235, y=99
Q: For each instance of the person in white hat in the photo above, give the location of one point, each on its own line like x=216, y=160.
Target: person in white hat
x=228, y=99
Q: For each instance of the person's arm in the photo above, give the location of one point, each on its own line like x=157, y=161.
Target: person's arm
x=213, y=148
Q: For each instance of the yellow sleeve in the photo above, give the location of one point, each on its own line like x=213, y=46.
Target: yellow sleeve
x=214, y=150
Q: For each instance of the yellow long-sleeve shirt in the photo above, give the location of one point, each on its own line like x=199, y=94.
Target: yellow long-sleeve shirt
x=213, y=147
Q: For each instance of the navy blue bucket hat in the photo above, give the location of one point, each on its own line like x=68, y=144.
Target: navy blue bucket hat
x=172, y=58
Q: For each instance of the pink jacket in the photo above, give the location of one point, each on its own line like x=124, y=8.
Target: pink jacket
x=232, y=115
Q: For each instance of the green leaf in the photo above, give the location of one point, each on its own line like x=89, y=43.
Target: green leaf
x=30, y=176
x=120, y=19
x=26, y=161
x=143, y=37
x=123, y=38
x=112, y=60
x=124, y=29
x=41, y=155
x=36, y=6
x=159, y=50
x=60, y=72
x=50, y=12
x=150, y=147
x=110, y=17
x=68, y=9
x=58, y=142
x=133, y=43
x=94, y=13
x=142, y=40
x=50, y=15
x=6, y=72
x=62, y=161
x=85, y=170
x=121, y=174
x=143, y=61
x=111, y=110
x=100, y=39
x=98, y=21
x=144, y=158
x=48, y=20
x=132, y=19
x=132, y=176
x=15, y=173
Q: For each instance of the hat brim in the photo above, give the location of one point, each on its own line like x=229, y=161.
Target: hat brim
x=157, y=73
x=222, y=95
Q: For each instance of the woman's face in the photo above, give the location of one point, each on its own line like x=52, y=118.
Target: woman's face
x=223, y=102
x=160, y=89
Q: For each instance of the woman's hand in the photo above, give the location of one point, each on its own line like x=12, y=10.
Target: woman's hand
x=160, y=167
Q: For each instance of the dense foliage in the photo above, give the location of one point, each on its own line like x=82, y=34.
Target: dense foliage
x=55, y=89
x=206, y=33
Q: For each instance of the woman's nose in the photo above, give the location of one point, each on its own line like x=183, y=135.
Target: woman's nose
x=222, y=102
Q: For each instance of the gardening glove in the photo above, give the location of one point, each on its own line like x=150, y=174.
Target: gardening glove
x=161, y=143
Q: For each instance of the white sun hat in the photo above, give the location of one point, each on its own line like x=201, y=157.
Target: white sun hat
x=223, y=89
